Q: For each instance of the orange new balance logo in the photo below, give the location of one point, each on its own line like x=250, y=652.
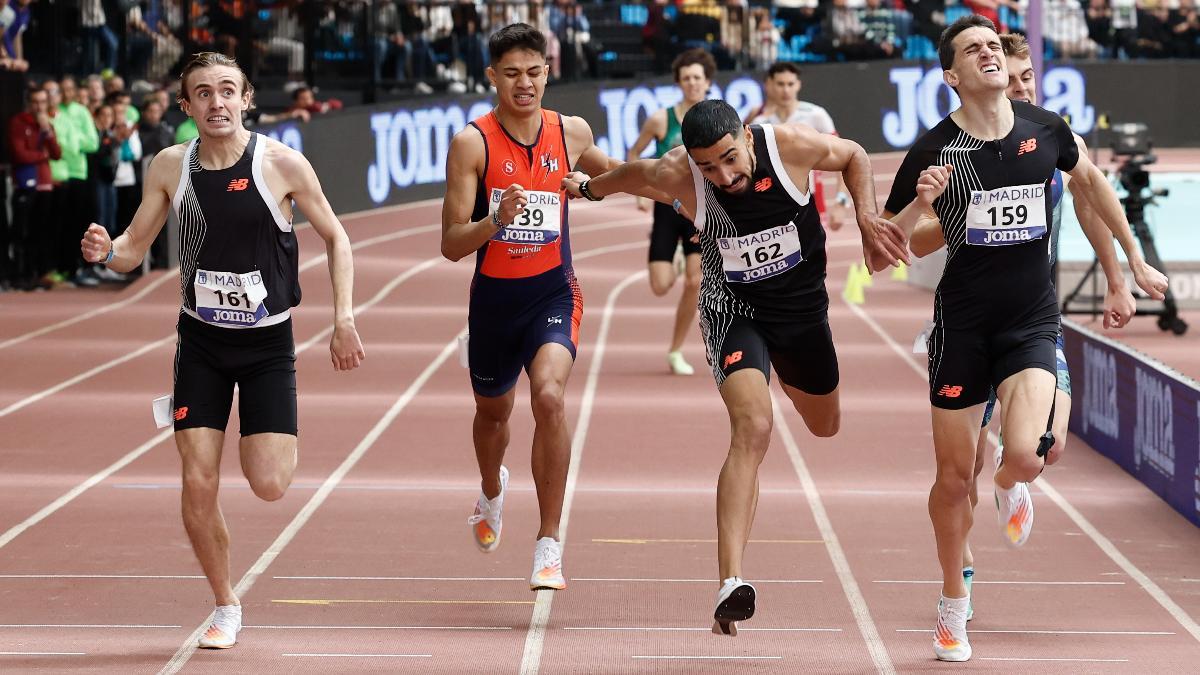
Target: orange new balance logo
x=238, y=184
x=1027, y=146
x=950, y=392
x=732, y=359
x=180, y=413
x=764, y=184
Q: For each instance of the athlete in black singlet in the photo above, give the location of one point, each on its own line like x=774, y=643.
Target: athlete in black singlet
x=232, y=191
x=762, y=298
x=988, y=180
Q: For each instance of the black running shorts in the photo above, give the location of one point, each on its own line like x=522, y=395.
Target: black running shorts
x=801, y=353
x=669, y=228
x=210, y=360
x=964, y=365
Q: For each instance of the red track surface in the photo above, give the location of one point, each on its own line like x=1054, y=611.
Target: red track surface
x=367, y=563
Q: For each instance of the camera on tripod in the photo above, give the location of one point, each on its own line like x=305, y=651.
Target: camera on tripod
x=1131, y=144
x=1132, y=141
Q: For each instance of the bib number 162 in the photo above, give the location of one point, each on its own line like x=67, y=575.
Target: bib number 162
x=762, y=254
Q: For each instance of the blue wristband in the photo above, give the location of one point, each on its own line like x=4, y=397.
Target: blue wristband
x=111, y=251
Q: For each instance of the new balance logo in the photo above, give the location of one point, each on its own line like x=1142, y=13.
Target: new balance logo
x=181, y=413
x=1027, y=146
x=238, y=184
x=950, y=392
x=732, y=359
x=764, y=184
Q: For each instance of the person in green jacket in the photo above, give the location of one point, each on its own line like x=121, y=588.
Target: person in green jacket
x=80, y=202
x=60, y=201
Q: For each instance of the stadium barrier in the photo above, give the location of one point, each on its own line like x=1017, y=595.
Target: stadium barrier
x=1139, y=413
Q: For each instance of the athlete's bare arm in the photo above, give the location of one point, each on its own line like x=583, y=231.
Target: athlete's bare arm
x=302, y=186
x=927, y=236
x=804, y=148
x=591, y=160
x=654, y=129
x=161, y=180
x=1088, y=181
x=464, y=167
x=669, y=175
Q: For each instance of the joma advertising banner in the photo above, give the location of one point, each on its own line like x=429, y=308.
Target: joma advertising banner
x=390, y=153
x=1139, y=413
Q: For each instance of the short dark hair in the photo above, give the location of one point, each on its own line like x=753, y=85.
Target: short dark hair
x=945, y=43
x=783, y=67
x=297, y=91
x=516, y=36
x=708, y=122
x=694, y=57
x=116, y=97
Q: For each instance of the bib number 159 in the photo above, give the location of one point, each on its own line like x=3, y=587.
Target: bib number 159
x=1008, y=215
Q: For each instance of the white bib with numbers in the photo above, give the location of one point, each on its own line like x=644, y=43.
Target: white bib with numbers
x=229, y=299
x=539, y=223
x=760, y=255
x=1007, y=216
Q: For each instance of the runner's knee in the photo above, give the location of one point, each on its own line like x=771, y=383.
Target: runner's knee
x=270, y=488
x=1022, y=461
x=200, y=487
x=547, y=402
x=751, y=432
x=825, y=426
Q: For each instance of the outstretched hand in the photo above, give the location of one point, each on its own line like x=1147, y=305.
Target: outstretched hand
x=571, y=181
x=884, y=243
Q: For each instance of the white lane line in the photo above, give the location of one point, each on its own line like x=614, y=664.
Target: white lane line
x=367, y=656
x=858, y=605
x=1152, y=589
x=1010, y=583
x=82, y=625
x=49, y=509
x=531, y=657
x=1015, y=658
x=651, y=629
x=121, y=463
x=43, y=653
x=702, y=581
x=103, y=309
x=185, y=651
x=468, y=628
x=101, y=576
x=1050, y=632
x=168, y=432
x=108, y=365
x=709, y=658
x=87, y=374
x=404, y=578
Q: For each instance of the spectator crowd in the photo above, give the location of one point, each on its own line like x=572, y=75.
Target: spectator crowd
x=78, y=136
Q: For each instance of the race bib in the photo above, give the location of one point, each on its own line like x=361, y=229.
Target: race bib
x=228, y=299
x=1007, y=216
x=760, y=255
x=539, y=223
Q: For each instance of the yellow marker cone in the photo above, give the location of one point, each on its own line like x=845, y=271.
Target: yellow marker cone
x=853, y=292
x=900, y=273
x=864, y=276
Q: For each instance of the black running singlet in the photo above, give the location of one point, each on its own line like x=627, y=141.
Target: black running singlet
x=996, y=213
x=238, y=260
x=763, y=251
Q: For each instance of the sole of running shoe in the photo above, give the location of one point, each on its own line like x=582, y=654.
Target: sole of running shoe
x=739, y=606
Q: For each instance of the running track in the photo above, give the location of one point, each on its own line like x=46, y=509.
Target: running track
x=367, y=563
